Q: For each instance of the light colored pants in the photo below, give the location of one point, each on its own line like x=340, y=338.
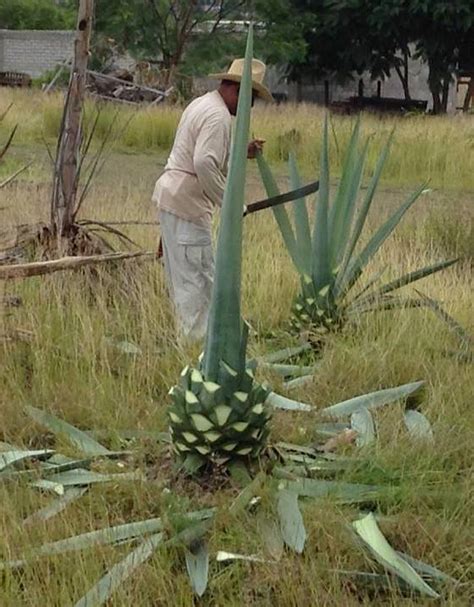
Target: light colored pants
x=189, y=265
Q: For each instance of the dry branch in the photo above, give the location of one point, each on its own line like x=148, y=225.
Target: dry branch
x=39, y=268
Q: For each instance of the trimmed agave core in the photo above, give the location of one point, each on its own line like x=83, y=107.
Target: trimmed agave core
x=217, y=422
x=315, y=310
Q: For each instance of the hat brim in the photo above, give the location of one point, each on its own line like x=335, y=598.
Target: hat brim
x=260, y=89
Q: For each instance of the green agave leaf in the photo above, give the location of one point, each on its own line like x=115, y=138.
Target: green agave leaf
x=197, y=566
x=282, y=355
x=372, y=400
x=106, y=536
x=343, y=493
x=247, y=494
x=363, y=423
x=56, y=506
x=281, y=402
x=374, y=582
x=363, y=213
x=272, y=539
x=224, y=331
x=418, y=426
x=408, y=279
x=101, y=592
x=298, y=382
x=370, y=533
x=79, y=439
x=10, y=458
x=286, y=370
x=300, y=211
x=358, y=263
x=82, y=477
x=321, y=254
x=280, y=213
x=292, y=527
x=427, y=571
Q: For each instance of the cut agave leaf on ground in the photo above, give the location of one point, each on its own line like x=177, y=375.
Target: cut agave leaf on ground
x=80, y=477
x=374, y=582
x=363, y=423
x=224, y=557
x=109, y=535
x=56, y=506
x=299, y=382
x=418, y=426
x=297, y=448
x=291, y=522
x=10, y=458
x=127, y=347
x=374, y=539
x=372, y=400
x=79, y=439
x=197, y=566
x=343, y=493
x=331, y=429
x=286, y=370
x=106, y=586
x=282, y=355
x=272, y=538
x=286, y=404
x=428, y=571
x=161, y=437
x=245, y=496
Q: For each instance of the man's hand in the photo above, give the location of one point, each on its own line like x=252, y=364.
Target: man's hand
x=255, y=146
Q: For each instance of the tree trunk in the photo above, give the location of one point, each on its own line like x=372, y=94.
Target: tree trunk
x=404, y=76
x=65, y=184
x=469, y=95
x=445, y=96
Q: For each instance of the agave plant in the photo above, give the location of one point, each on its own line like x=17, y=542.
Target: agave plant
x=218, y=411
x=327, y=257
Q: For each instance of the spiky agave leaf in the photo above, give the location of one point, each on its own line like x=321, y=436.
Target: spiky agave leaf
x=218, y=411
x=325, y=301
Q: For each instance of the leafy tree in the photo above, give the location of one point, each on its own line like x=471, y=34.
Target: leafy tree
x=35, y=14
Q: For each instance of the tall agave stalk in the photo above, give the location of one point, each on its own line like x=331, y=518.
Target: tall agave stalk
x=218, y=411
x=327, y=256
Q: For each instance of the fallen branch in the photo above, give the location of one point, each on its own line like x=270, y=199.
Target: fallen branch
x=39, y=268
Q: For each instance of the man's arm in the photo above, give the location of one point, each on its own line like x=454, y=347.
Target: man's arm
x=210, y=155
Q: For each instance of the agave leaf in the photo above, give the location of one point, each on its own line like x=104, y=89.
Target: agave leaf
x=321, y=261
x=408, y=279
x=292, y=527
x=56, y=506
x=224, y=331
x=106, y=536
x=10, y=458
x=363, y=213
x=418, y=426
x=348, y=204
x=222, y=557
x=281, y=356
x=100, y=593
x=300, y=211
x=298, y=382
x=363, y=423
x=374, y=582
x=79, y=439
x=197, y=566
x=80, y=477
x=358, y=263
x=272, y=539
x=247, y=493
x=280, y=213
x=368, y=285
x=427, y=571
x=281, y=402
x=286, y=370
x=343, y=493
x=387, y=302
x=374, y=539
x=372, y=400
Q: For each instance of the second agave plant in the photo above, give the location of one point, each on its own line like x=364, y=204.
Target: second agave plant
x=326, y=252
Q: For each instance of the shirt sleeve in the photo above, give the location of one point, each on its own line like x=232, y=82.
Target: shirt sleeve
x=210, y=154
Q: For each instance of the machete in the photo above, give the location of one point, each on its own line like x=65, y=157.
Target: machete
x=282, y=198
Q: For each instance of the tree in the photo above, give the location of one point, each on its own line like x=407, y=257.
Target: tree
x=35, y=14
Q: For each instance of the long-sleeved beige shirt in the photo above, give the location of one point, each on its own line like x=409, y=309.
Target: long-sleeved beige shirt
x=192, y=185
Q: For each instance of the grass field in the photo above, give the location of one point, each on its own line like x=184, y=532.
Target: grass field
x=70, y=365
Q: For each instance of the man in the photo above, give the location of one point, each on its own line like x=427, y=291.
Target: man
x=192, y=187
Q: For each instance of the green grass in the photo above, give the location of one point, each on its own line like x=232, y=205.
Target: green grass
x=69, y=366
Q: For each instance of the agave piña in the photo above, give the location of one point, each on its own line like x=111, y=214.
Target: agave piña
x=218, y=411
x=327, y=257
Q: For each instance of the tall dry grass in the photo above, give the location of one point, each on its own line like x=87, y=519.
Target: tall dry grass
x=436, y=150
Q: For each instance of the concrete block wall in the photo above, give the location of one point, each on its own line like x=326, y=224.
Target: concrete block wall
x=34, y=52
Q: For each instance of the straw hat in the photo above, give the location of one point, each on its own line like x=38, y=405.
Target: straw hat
x=235, y=71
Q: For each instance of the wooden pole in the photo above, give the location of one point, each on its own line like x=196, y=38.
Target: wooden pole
x=65, y=183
